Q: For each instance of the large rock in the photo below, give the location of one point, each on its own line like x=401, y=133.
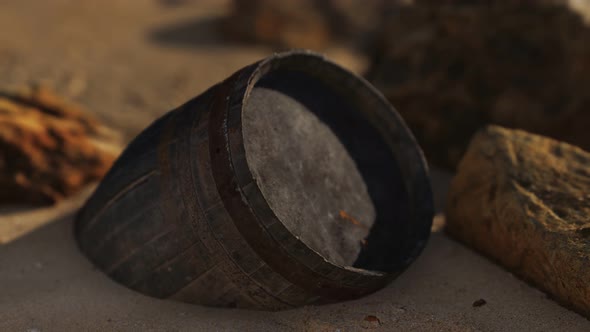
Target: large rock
x=453, y=69
x=49, y=149
x=524, y=201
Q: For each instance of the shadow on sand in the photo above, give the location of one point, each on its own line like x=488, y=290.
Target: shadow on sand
x=198, y=33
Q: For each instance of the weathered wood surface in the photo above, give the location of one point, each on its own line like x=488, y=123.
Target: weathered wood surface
x=181, y=216
x=49, y=148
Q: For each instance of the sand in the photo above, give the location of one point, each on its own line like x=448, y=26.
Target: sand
x=48, y=285
x=118, y=59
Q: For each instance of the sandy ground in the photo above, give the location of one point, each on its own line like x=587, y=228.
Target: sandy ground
x=47, y=285
x=131, y=61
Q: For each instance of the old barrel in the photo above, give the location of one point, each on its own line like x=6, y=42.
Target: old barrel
x=292, y=182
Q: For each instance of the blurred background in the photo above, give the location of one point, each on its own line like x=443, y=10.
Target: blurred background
x=449, y=67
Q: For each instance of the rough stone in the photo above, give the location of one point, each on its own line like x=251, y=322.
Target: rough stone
x=524, y=201
x=451, y=70
x=49, y=149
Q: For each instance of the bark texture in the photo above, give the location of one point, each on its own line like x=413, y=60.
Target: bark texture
x=49, y=149
x=451, y=70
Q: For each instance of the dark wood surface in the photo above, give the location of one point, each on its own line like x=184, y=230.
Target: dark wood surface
x=180, y=216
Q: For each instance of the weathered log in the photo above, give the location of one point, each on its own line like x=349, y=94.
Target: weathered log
x=49, y=148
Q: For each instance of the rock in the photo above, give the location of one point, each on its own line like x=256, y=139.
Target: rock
x=49, y=149
x=524, y=201
x=371, y=322
x=451, y=70
x=479, y=303
x=313, y=24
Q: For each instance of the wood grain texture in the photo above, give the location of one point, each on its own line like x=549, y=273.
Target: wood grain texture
x=179, y=215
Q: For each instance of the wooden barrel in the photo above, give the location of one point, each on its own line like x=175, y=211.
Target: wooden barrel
x=292, y=182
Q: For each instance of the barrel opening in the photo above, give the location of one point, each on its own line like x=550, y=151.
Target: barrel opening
x=324, y=168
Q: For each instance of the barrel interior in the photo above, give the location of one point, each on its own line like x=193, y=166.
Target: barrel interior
x=325, y=170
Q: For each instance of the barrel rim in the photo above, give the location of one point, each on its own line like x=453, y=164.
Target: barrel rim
x=392, y=129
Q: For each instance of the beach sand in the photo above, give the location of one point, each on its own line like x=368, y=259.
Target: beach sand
x=131, y=61
x=48, y=285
